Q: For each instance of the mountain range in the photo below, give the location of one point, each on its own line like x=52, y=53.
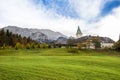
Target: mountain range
x=39, y=35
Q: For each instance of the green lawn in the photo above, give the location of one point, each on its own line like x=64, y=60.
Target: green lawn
x=57, y=64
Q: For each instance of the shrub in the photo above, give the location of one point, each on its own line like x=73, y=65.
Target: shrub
x=59, y=45
x=44, y=45
x=17, y=46
x=28, y=46
x=38, y=45
x=72, y=50
x=32, y=45
x=4, y=46
x=22, y=46
x=49, y=46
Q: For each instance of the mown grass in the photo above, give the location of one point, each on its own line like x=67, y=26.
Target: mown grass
x=57, y=64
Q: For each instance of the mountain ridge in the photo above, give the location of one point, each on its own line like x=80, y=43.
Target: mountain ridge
x=35, y=34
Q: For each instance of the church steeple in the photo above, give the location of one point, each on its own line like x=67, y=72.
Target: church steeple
x=79, y=33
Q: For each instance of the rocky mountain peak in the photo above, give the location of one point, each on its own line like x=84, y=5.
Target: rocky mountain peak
x=35, y=34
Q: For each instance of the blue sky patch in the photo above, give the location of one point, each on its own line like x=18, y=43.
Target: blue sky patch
x=109, y=6
x=61, y=7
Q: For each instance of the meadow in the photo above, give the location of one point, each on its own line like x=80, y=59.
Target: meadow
x=58, y=64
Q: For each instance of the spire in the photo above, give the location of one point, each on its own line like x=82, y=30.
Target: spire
x=79, y=33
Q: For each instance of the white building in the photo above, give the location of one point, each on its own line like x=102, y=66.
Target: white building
x=106, y=45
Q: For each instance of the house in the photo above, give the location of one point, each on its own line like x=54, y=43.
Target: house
x=93, y=42
x=106, y=42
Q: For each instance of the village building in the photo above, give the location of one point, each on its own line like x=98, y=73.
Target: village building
x=85, y=42
x=92, y=42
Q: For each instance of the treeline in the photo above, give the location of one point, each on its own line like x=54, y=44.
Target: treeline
x=8, y=39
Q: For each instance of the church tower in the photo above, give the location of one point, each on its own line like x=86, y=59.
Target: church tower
x=79, y=33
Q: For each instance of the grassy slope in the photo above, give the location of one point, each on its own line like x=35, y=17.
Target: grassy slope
x=24, y=65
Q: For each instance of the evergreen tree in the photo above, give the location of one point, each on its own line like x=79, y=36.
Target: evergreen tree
x=28, y=46
x=9, y=39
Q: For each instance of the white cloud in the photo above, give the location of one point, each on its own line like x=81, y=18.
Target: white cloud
x=24, y=14
x=88, y=9
x=110, y=25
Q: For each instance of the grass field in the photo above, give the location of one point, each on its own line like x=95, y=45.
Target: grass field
x=57, y=64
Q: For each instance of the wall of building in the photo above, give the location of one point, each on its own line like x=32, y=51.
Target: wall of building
x=107, y=45
x=79, y=35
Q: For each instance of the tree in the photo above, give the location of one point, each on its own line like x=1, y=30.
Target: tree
x=28, y=46
x=11, y=40
x=96, y=42
x=32, y=45
x=38, y=45
x=7, y=37
x=69, y=43
x=97, y=45
x=14, y=39
x=2, y=37
x=49, y=46
x=117, y=45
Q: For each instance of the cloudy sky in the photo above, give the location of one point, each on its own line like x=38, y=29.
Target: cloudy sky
x=95, y=17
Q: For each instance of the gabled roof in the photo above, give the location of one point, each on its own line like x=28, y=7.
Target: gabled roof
x=101, y=39
x=78, y=31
